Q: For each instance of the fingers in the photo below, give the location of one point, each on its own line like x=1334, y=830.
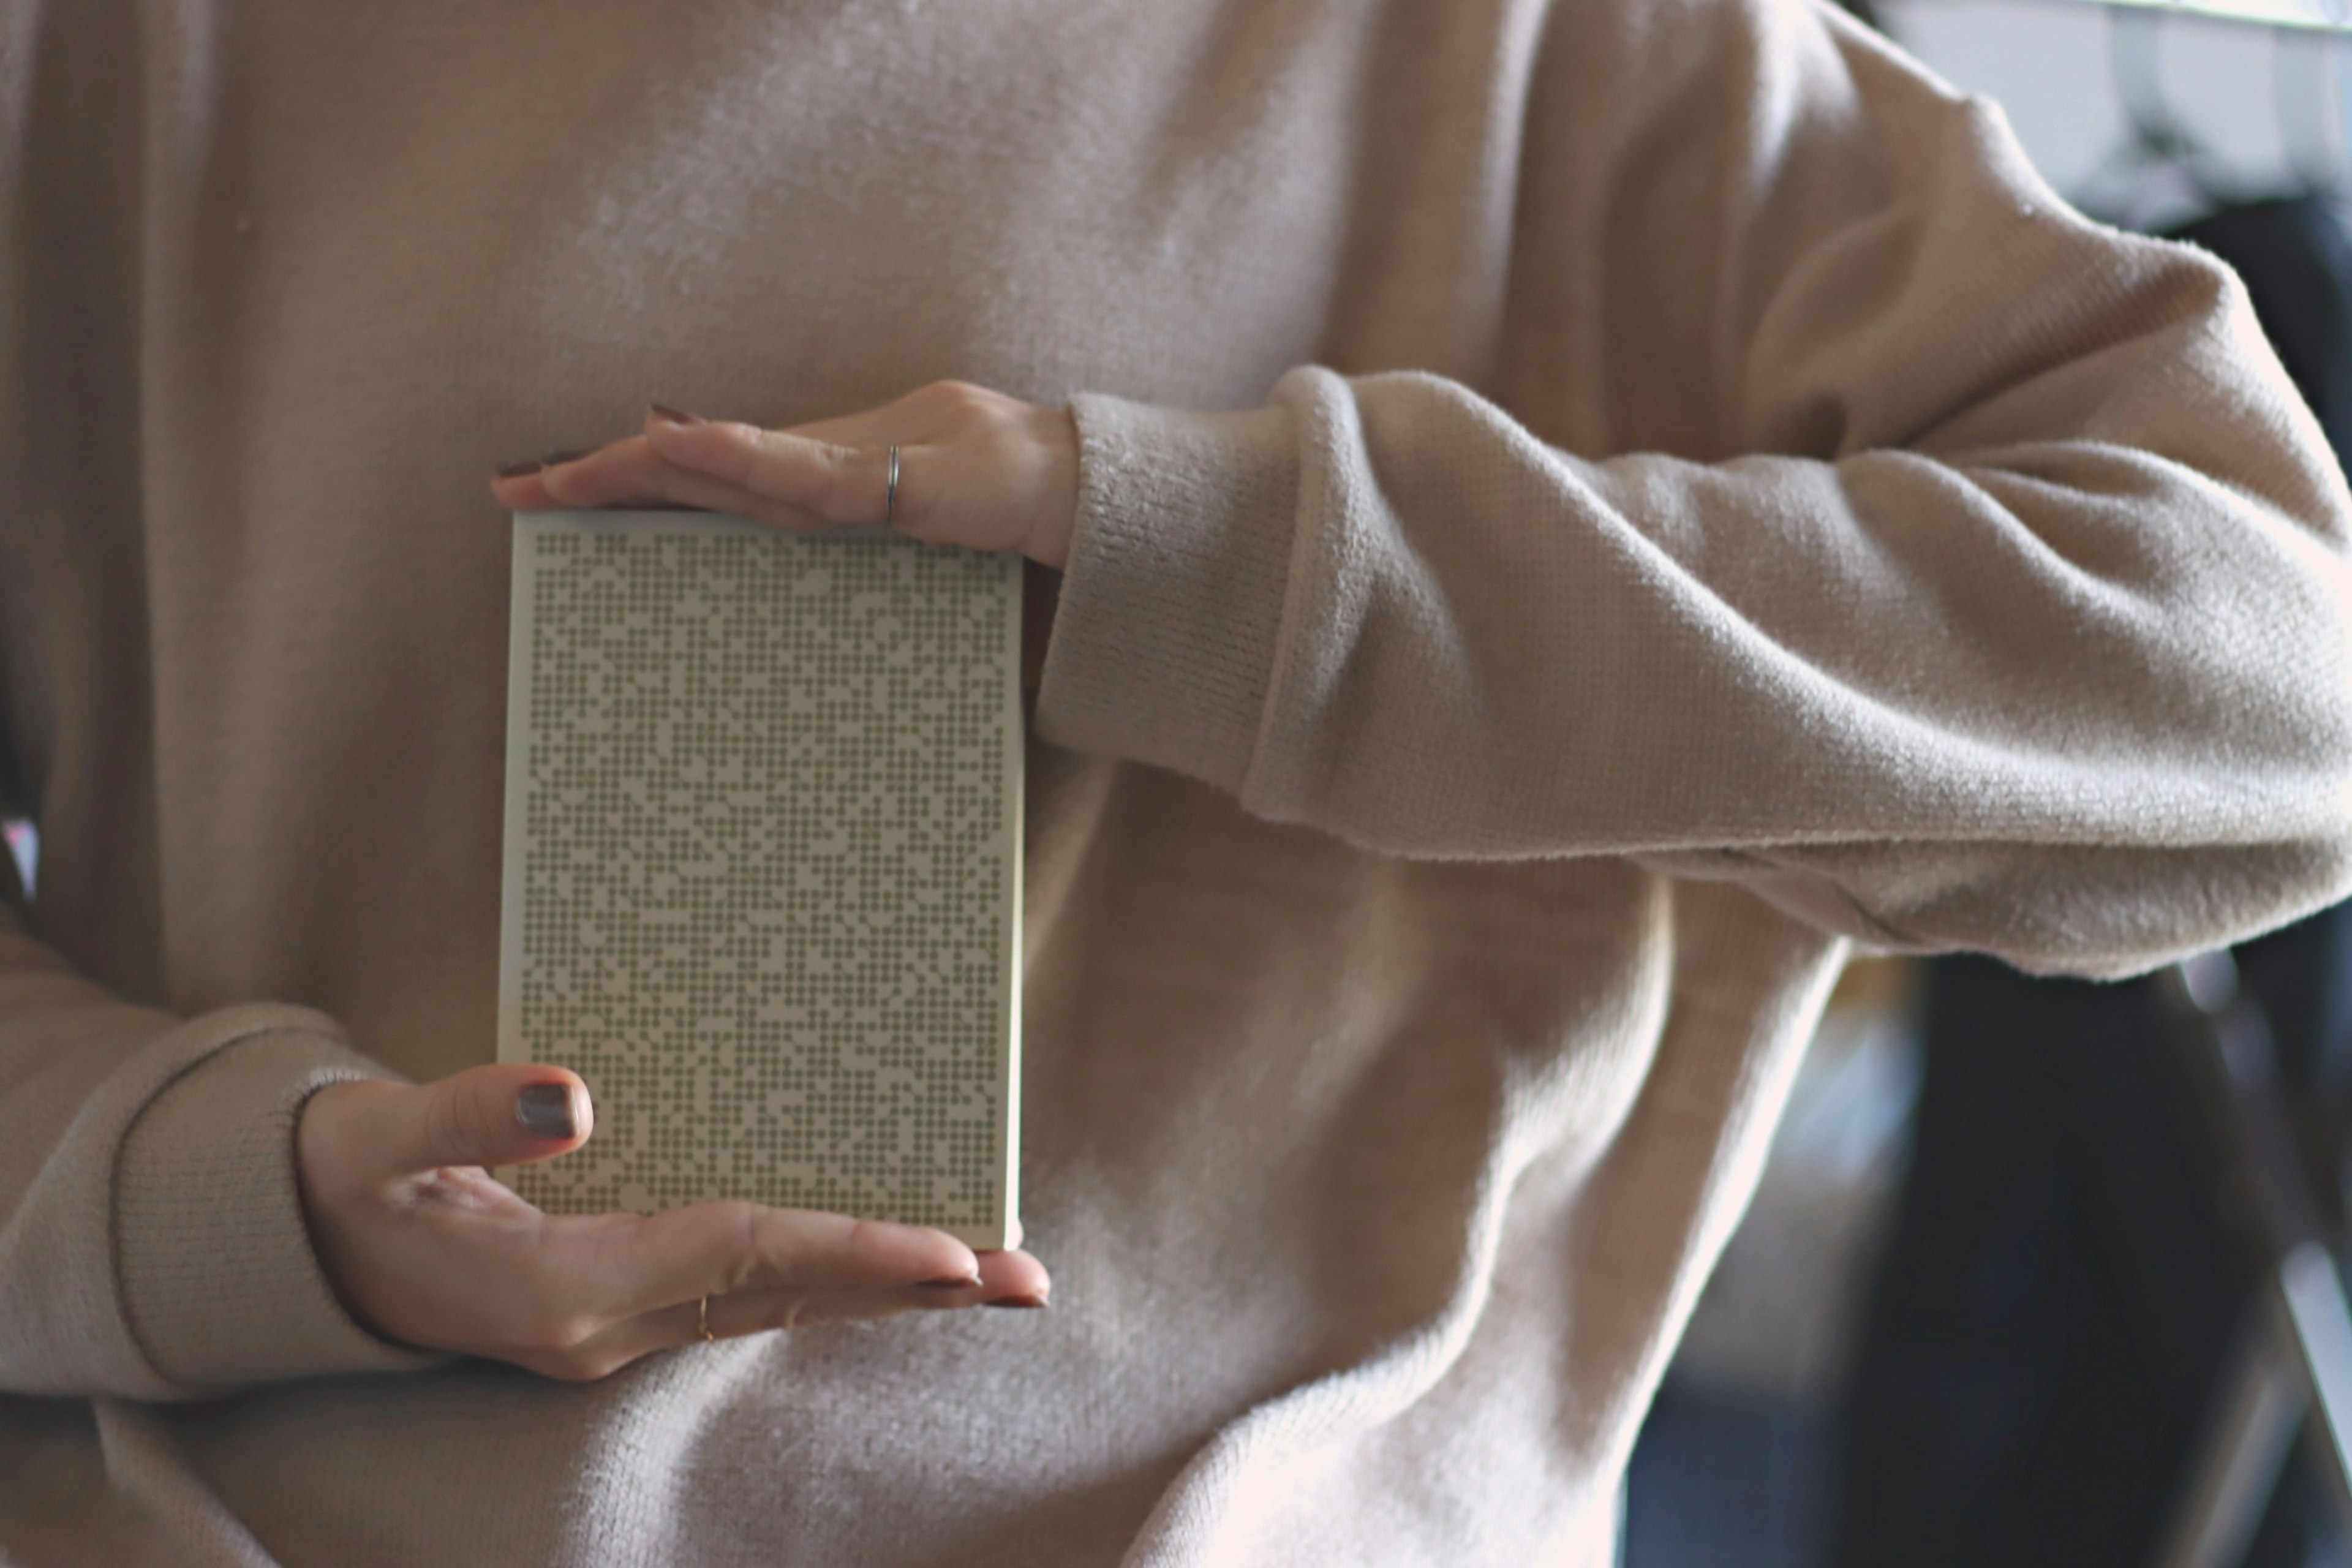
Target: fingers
x=1013, y=1279
x=721, y=1248
x=428, y=1250
x=507, y=1114
x=632, y=472
x=836, y=484
x=625, y=471
x=976, y=469
x=1005, y=1279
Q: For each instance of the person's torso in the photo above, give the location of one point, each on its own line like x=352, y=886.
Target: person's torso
x=305, y=275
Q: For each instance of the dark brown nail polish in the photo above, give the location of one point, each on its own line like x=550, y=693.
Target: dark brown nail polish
x=953, y=1282
x=555, y=459
x=516, y=470
x=668, y=415
x=1022, y=1299
x=545, y=1111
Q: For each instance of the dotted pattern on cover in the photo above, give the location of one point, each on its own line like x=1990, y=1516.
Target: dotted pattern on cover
x=762, y=866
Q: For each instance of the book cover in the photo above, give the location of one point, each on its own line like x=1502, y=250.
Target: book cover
x=762, y=866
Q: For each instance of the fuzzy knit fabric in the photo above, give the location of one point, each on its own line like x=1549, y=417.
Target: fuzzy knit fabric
x=1588, y=507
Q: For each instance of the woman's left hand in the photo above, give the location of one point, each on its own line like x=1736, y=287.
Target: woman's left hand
x=976, y=468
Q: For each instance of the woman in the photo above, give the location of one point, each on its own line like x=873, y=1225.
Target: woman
x=1571, y=514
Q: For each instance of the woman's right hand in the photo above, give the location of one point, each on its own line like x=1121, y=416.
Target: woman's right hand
x=425, y=1249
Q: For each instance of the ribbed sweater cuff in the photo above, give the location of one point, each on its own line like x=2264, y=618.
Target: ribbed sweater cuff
x=217, y=1272
x=1172, y=599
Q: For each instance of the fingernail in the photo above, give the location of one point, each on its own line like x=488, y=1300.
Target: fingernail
x=1023, y=1300
x=668, y=415
x=953, y=1282
x=545, y=1111
x=516, y=470
x=555, y=459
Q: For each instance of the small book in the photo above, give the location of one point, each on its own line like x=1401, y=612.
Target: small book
x=763, y=868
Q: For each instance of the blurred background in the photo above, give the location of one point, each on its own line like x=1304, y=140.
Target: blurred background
x=2043, y=1272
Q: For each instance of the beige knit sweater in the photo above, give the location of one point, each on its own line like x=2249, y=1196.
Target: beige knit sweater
x=1742, y=512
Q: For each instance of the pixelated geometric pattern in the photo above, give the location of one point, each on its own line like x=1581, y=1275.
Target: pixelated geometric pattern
x=763, y=861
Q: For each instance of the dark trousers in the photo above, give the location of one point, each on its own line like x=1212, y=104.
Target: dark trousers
x=2067, y=1273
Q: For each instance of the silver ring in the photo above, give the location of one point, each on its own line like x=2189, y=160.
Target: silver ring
x=890, y=501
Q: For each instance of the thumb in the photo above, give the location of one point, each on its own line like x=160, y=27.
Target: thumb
x=509, y=1114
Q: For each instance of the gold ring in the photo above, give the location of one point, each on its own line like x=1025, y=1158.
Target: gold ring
x=702, y=1321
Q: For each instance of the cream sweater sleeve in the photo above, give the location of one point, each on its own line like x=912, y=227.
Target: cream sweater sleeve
x=1848, y=517
x=171, y=1139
